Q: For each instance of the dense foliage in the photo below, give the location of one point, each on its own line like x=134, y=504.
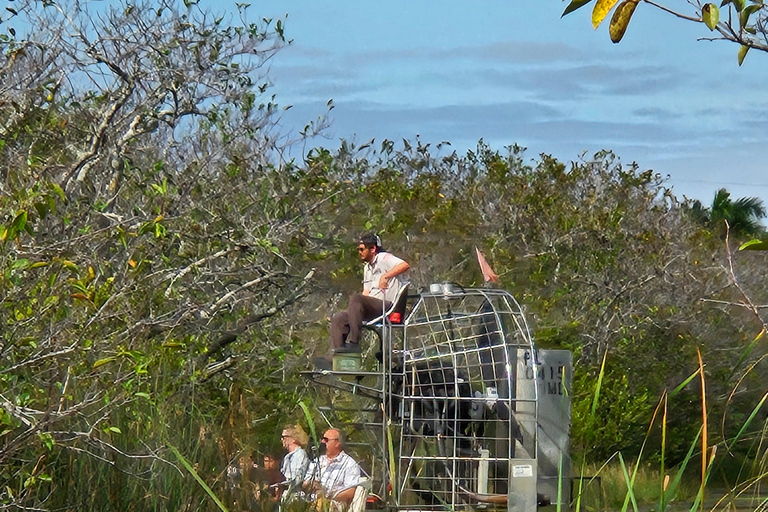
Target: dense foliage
x=165, y=274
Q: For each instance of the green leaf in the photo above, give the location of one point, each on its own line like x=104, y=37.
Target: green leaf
x=59, y=192
x=142, y=395
x=601, y=10
x=743, y=53
x=20, y=264
x=47, y=439
x=739, y=4
x=196, y=476
x=747, y=12
x=710, y=15
x=599, y=385
x=20, y=221
x=575, y=4
x=620, y=19
x=69, y=265
x=754, y=245
x=671, y=489
x=114, y=430
x=746, y=424
x=42, y=209
x=102, y=362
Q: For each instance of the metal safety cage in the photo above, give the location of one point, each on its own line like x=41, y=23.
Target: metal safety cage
x=467, y=403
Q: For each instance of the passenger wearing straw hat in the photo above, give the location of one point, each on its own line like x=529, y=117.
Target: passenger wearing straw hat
x=295, y=463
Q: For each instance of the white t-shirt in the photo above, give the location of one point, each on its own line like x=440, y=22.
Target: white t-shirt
x=383, y=262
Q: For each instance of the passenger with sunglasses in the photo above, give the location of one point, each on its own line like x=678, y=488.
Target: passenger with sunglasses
x=295, y=463
x=383, y=277
x=335, y=474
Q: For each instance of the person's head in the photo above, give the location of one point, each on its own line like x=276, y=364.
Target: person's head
x=369, y=246
x=270, y=461
x=333, y=441
x=293, y=436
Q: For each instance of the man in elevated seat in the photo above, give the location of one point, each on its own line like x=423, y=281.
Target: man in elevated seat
x=383, y=278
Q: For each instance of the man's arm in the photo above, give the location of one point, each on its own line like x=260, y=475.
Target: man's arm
x=394, y=272
x=346, y=495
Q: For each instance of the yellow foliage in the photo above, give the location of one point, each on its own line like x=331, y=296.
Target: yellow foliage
x=601, y=10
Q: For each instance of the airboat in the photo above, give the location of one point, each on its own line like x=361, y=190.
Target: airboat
x=451, y=406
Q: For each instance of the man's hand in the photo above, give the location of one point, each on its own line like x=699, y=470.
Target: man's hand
x=383, y=282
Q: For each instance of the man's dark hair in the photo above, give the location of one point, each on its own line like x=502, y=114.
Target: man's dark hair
x=371, y=240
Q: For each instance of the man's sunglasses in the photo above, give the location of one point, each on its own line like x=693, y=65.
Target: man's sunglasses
x=326, y=439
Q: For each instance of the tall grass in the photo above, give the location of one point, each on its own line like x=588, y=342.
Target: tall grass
x=626, y=485
x=640, y=484
x=610, y=491
x=168, y=446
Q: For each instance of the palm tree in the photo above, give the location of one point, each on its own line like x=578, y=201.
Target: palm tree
x=743, y=215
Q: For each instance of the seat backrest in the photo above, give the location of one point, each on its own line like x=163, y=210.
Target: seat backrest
x=399, y=306
x=361, y=496
x=396, y=311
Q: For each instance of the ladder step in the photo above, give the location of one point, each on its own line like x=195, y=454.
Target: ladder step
x=345, y=409
x=363, y=427
x=356, y=373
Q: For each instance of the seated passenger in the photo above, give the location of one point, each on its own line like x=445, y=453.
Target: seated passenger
x=269, y=477
x=335, y=475
x=295, y=463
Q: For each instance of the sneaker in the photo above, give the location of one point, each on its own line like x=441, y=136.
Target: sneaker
x=349, y=348
x=322, y=363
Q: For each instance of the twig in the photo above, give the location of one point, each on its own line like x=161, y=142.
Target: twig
x=229, y=295
x=64, y=391
x=747, y=301
x=43, y=357
x=673, y=13
x=191, y=266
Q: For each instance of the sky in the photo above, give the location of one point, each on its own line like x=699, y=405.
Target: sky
x=515, y=72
